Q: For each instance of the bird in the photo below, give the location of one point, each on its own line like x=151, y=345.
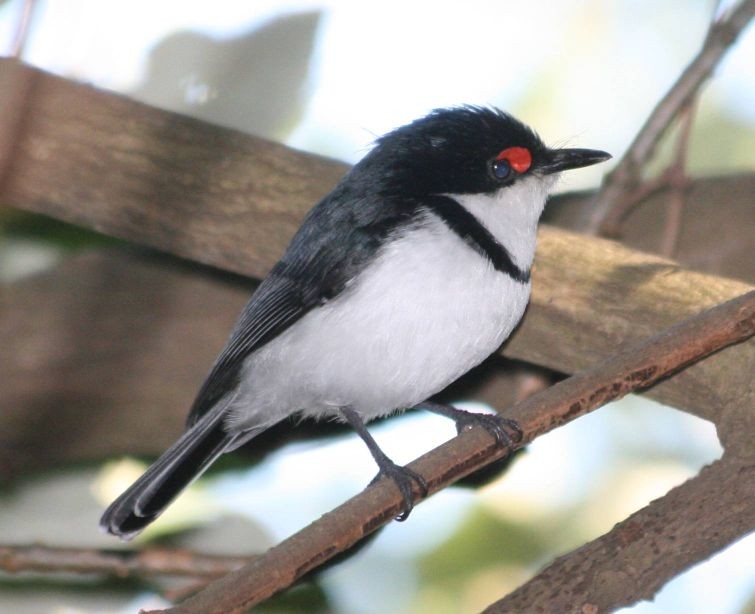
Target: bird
x=409, y=273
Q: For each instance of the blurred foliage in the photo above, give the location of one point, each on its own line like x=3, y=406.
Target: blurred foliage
x=483, y=540
x=720, y=142
x=480, y=562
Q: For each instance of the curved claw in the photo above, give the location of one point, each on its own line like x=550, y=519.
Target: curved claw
x=402, y=477
x=505, y=430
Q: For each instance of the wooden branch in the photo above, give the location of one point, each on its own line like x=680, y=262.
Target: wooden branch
x=111, y=336
x=607, y=296
x=229, y=200
x=634, y=560
x=678, y=182
x=632, y=369
x=157, y=178
x=223, y=198
x=120, y=563
x=721, y=202
x=15, y=82
x=22, y=29
x=608, y=212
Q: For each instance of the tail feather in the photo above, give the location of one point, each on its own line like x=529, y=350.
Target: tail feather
x=180, y=465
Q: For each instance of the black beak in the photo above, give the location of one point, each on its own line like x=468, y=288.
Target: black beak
x=557, y=160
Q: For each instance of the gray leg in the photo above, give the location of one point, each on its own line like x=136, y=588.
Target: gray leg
x=504, y=430
x=401, y=476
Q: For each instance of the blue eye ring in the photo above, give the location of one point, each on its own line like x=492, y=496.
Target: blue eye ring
x=500, y=169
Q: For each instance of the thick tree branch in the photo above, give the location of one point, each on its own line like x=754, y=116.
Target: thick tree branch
x=120, y=563
x=633, y=561
x=110, y=336
x=609, y=211
x=576, y=305
x=226, y=199
x=180, y=185
x=632, y=369
x=721, y=202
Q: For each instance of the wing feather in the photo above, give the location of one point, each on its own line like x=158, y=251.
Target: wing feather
x=274, y=307
x=337, y=240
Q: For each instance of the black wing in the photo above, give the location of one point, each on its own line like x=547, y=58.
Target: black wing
x=335, y=242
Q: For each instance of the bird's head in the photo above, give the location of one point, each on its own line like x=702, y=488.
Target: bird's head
x=466, y=150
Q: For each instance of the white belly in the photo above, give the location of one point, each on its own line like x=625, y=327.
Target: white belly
x=426, y=311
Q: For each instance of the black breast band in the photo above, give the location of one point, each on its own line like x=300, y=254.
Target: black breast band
x=466, y=225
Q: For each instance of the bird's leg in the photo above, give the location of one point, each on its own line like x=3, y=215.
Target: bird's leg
x=401, y=476
x=504, y=430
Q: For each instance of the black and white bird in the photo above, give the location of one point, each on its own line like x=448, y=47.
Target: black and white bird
x=413, y=270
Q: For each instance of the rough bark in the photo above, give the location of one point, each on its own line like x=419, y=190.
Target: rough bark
x=230, y=200
x=154, y=177
x=109, y=348
x=592, y=296
x=633, y=561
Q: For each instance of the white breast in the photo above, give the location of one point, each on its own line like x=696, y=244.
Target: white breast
x=428, y=309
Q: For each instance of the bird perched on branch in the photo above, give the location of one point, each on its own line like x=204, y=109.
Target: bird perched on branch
x=413, y=270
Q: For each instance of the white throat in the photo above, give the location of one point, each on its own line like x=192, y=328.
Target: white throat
x=511, y=214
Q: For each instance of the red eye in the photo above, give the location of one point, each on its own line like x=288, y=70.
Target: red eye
x=519, y=158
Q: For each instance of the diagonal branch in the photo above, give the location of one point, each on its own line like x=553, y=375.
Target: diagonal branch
x=609, y=209
x=627, y=371
x=687, y=525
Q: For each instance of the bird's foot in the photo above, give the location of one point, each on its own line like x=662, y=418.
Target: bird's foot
x=506, y=431
x=402, y=477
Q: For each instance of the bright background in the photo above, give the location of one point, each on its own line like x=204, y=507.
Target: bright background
x=328, y=77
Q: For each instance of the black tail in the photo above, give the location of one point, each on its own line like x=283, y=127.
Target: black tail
x=180, y=465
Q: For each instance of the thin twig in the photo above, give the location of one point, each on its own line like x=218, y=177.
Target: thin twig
x=609, y=209
x=119, y=563
x=20, y=36
x=338, y=530
x=678, y=182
